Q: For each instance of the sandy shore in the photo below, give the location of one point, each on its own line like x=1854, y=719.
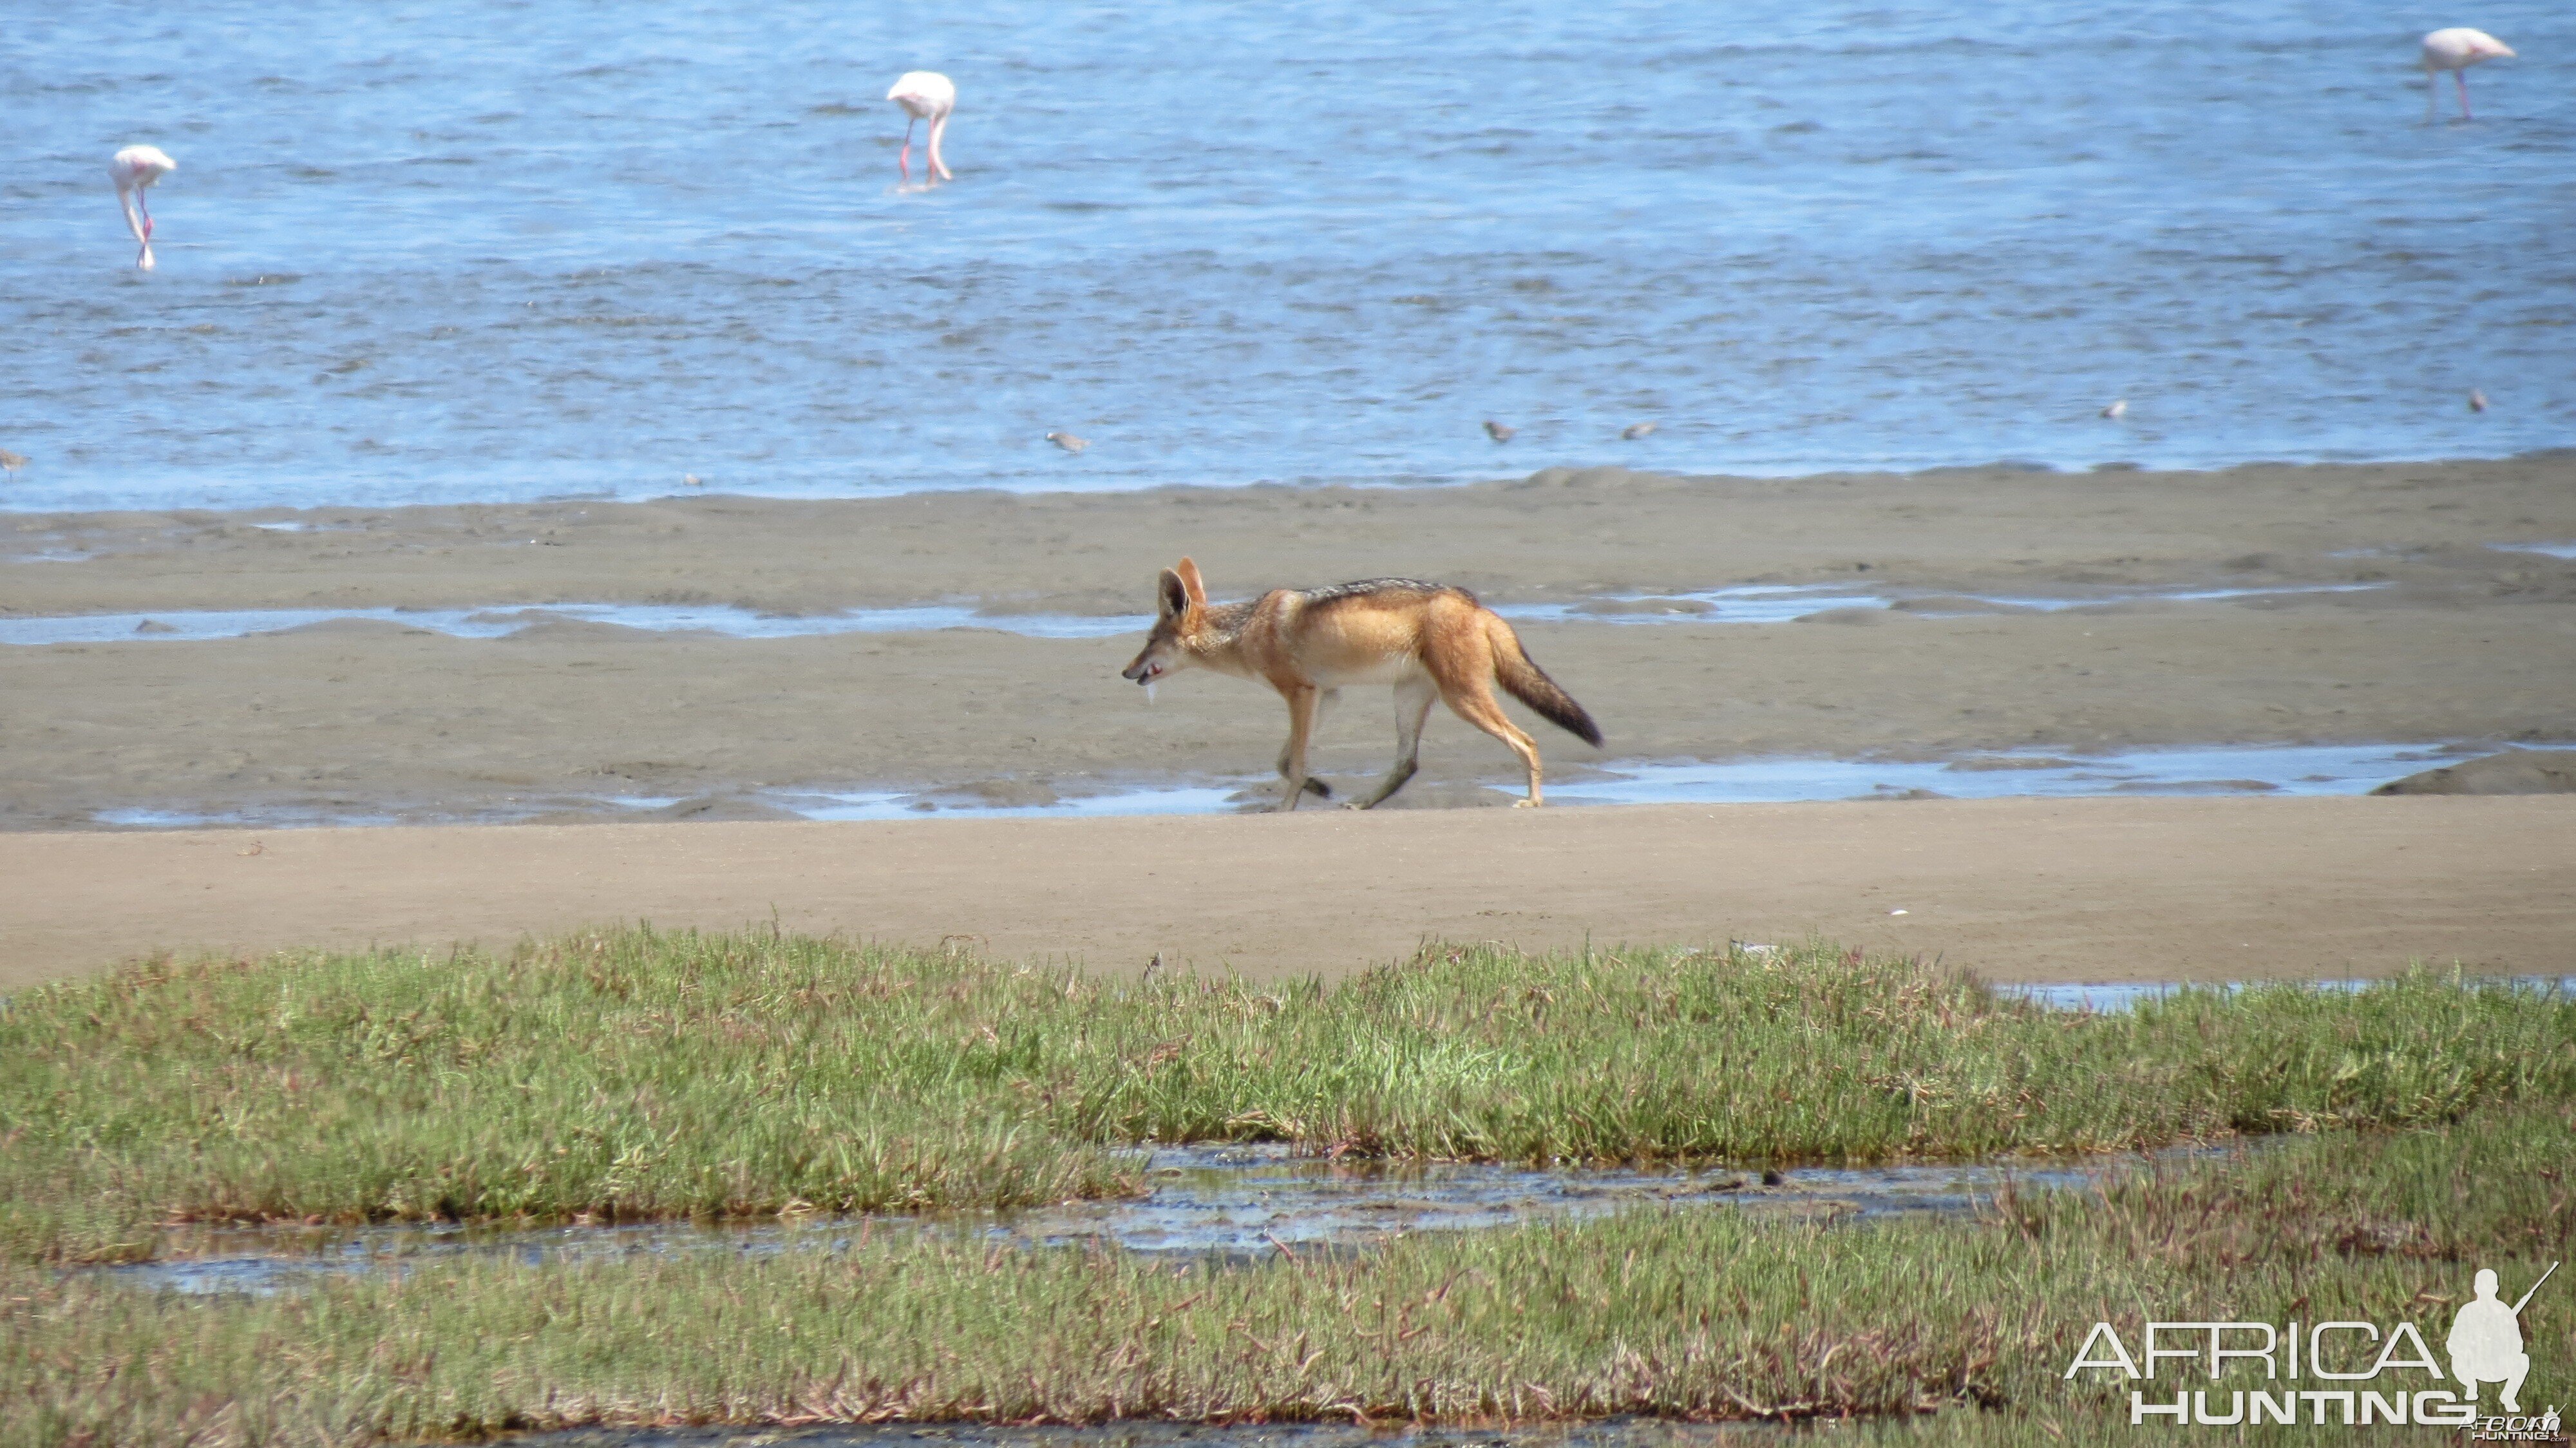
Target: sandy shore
x=2101, y=889
x=2454, y=640
x=2457, y=640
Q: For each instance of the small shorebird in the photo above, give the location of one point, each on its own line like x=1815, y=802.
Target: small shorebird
x=2477, y=400
x=10, y=462
x=692, y=480
x=925, y=95
x=1636, y=430
x=2117, y=410
x=2455, y=50
x=1498, y=431
x=134, y=169
x=1068, y=441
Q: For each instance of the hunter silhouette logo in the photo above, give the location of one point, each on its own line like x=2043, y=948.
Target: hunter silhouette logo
x=2486, y=1341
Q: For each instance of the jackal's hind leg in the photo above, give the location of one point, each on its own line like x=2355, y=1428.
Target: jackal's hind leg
x=1472, y=701
x=1413, y=698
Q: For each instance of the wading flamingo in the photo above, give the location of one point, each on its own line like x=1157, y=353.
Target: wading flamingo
x=925, y=95
x=2455, y=50
x=134, y=169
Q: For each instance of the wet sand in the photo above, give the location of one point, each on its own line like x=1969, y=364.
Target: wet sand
x=2455, y=641
x=2091, y=889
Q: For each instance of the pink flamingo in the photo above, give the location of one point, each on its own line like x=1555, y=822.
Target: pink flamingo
x=134, y=169
x=2455, y=50
x=925, y=95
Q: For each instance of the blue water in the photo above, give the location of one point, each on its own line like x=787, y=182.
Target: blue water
x=486, y=251
x=2241, y=769
x=1234, y=1201
x=199, y=625
x=1756, y=604
x=2129, y=995
x=2288, y=769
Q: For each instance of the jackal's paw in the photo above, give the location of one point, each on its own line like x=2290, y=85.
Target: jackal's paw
x=1319, y=789
x=1524, y=804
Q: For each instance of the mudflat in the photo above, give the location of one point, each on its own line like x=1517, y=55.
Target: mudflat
x=2451, y=626
x=2442, y=635
x=2087, y=889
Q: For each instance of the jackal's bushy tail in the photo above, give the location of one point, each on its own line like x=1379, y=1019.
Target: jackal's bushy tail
x=1530, y=684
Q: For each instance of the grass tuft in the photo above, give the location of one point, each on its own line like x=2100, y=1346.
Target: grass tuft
x=638, y=1074
x=1668, y=1313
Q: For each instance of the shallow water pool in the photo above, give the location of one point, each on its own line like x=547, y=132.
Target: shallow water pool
x=2209, y=770
x=1747, y=604
x=1236, y=1203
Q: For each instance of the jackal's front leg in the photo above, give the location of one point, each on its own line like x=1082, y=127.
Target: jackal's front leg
x=1301, y=728
x=1315, y=787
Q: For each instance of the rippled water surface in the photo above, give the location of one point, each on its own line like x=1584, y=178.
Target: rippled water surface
x=1238, y=1202
x=511, y=250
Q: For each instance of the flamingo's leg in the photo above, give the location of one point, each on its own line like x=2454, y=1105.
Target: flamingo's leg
x=2462, y=77
x=141, y=227
x=2432, y=95
x=903, y=162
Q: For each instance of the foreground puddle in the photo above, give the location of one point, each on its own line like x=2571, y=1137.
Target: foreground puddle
x=2129, y=995
x=1607, y=1433
x=2208, y=770
x=1238, y=1203
x=885, y=805
x=1751, y=604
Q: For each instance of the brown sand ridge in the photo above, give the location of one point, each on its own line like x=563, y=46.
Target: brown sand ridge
x=2452, y=640
x=2092, y=889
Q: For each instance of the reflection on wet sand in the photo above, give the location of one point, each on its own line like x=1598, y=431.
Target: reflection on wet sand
x=1749, y=604
x=2241, y=769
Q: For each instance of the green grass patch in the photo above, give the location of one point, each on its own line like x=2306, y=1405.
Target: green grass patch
x=637, y=1074
x=1677, y=1314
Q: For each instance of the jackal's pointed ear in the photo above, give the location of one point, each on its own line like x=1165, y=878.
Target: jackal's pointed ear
x=1189, y=575
x=1171, y=600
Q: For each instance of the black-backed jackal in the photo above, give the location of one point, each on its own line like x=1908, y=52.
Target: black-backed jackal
x=1427, y=640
